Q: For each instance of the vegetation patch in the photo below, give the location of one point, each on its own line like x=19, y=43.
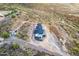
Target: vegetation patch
x=75, y=49
x=15, y=46
x=5, y=34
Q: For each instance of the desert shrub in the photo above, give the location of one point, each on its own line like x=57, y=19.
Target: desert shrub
x=13, y=16
x=5, y=34
x=15, y=46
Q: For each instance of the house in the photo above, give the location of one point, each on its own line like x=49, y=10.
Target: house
x=39, y=32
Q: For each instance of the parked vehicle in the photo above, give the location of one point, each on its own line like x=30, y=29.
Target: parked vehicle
x=39, y=32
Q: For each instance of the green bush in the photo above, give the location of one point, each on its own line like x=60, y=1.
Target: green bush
x=13, y=16
x=15, y=46
x=5, y=34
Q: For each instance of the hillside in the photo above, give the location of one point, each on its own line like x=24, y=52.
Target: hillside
x=60, y=19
